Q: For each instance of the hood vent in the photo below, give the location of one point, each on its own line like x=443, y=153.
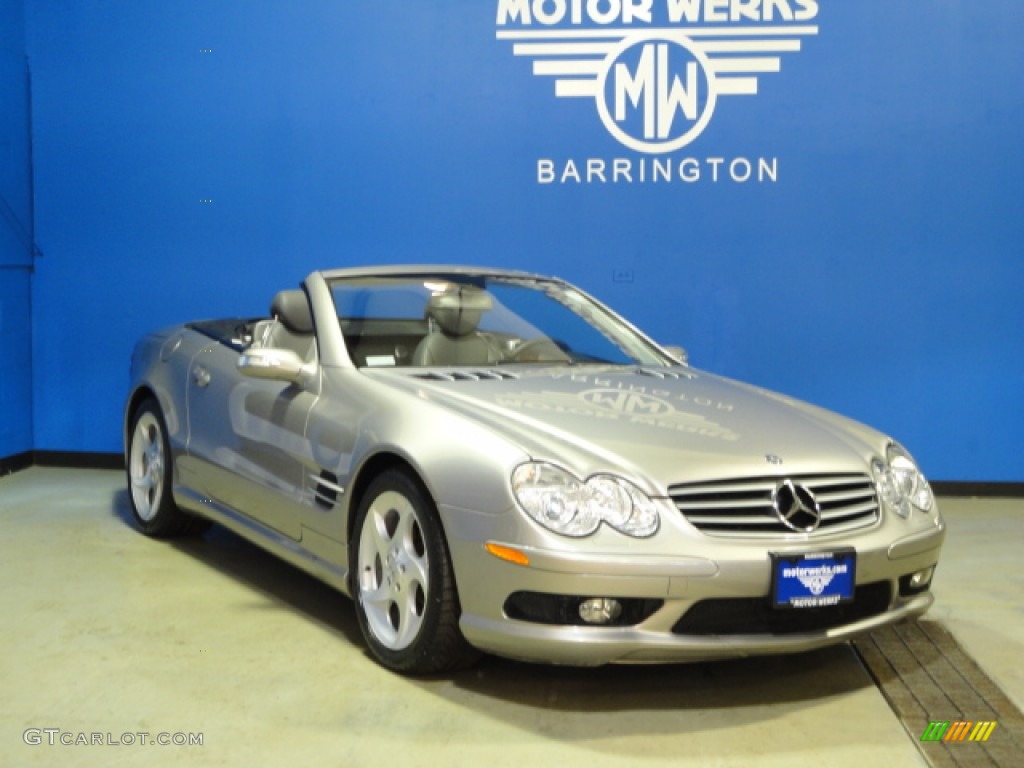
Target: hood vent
x=479, y=375
x=666, y=373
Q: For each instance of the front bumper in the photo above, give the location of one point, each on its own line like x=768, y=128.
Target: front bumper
x=734, y=577
x=593, y=646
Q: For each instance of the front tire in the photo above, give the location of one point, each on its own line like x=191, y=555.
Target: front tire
x=403, y=585
x=150, y=475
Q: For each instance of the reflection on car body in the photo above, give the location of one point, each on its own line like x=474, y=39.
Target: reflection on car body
x=494, y=461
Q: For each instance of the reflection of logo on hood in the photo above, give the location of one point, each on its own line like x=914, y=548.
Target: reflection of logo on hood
x=629, y=403
x=616, y=405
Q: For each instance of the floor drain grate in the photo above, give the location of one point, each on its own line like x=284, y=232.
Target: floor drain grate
x=927, y=678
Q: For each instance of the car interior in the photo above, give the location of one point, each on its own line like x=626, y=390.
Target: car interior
x=447, y=334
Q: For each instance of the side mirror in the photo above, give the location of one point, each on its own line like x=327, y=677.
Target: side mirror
x=275, y=364
x=677, y=353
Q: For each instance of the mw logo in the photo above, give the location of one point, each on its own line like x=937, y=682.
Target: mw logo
x=958, y=730
x=629, y=403
x=655, y=70
x=656, y=95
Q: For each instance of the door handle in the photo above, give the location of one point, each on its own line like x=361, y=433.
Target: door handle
x=200, y=376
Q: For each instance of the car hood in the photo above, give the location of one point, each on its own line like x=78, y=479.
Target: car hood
x=667, y=425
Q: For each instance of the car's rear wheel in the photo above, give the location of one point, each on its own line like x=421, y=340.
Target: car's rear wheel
x=406, y=598
x=150, y=476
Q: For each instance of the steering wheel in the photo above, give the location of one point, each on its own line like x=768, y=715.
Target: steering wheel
x=539, y=351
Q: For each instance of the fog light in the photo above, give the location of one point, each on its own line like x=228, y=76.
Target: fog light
x=917, y=582
x=600, y=610
x=922, y=578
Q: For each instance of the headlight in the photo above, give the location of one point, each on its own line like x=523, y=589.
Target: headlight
x=562, y=503
x=900, y=482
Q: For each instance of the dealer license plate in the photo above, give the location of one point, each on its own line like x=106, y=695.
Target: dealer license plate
x=813, y=579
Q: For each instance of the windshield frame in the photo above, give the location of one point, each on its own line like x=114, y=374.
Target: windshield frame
x=635, y=347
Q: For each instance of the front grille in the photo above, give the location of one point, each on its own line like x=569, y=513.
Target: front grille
x=744, y=508
x=756, y=616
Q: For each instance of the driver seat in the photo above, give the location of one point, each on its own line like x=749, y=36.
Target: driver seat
x=291, y=326
x=454, y=340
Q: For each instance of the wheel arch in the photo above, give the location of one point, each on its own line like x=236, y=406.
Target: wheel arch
x=372, y=468
x=140, y=395
x=443, y=647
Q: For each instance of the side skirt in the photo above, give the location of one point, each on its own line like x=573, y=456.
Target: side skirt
x=287, y=549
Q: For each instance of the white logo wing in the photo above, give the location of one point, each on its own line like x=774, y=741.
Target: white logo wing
x=575, y=58
x=816, y=583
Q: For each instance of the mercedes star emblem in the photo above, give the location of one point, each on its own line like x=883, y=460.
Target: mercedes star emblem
x=796, y=507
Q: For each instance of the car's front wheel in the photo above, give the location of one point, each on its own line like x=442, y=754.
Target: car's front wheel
x=404, y=588
x=150, y=475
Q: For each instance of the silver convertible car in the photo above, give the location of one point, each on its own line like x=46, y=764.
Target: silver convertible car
x=494, y=461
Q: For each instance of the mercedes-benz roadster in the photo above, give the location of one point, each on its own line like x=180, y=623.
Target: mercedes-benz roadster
x=495, y=461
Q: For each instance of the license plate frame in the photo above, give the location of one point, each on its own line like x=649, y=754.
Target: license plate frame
x=807, y=580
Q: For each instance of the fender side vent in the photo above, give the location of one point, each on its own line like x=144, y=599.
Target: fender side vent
x=326, y=492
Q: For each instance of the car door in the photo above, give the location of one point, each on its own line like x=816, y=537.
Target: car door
x=246, y=439
x=333, y=433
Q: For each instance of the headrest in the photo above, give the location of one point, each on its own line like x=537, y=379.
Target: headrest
x=292, y=309
x=458, y=312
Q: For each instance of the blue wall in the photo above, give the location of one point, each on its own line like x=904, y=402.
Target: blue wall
x=15, y=237
x=193, y=157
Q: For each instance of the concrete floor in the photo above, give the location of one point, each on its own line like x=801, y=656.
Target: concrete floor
x=106, y=631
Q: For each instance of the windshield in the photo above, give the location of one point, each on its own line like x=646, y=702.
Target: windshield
x=474, y=320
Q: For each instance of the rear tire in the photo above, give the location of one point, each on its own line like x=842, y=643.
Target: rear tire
x=404, y=588
x=150, y=477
